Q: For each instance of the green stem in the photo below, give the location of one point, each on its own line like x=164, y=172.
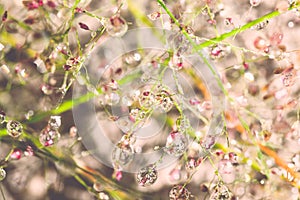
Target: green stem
x=238, y=30
x=195, y=46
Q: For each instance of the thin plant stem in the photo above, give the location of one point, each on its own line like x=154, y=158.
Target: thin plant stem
x=2, y=193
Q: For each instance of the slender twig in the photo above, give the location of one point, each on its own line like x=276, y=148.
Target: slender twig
x=2, y=193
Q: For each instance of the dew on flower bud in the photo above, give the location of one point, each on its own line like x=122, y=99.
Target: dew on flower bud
x=178, y=43
x=220, y=192
x=177, y=62
x=127, y=101
x=212, y=21
x=255, y=3
x=146, y=99
x=154, y=16
x=164, y=101
x=260, y=43
x=194, y=101
x=47, y=89
x=2, y=117
x=209, y=142
x=291, y=24
x=103, y=196
x=175, y=175
x=118, y=174
x=276, y=38
x=147, y=176
x=73, y=131
x=16, y=154
x=132, y=58
x=49, y=136
x=228, y=21
x=192, y=163
x=29, y=151
x=112, y=98
x=2, y=174
x=179, y=192
x=288, y=77
x=176, y=143
x=97, y=186
x=219, y=51
x=260, y=25
x=122, y=154
x=137, y=115
x=124, y=123
x=54, y=122
x=225, y=166
x=233, y=157
x=116, y=26
x=14, y=128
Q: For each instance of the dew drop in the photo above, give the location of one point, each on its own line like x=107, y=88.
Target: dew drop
x=127, y=101
x=103, y=196
x=221, y=192
x=288, y=78
x=122, y=154
x=225, y=166
x=2, y=174
x=47, y=89
x=54, y=122
x=260, y=43
x=177, y=62
x=2, y=117
x=176, y=143
x=164, y=101
x=14, y=128
x=228, y=21
x=116, y=26
x=260, y=25
x=178, y=43
x=73, y=131
x=175, y=174
x=291, y=24
x=112, y=98
x=146, y=99
x=276, y=38
x=192, y=163
x=254, y=3
x=154, y=16
x=178, y=192
x=124, y=123
x=209, y=142
x=147, y=176
x=118, y=175
x=16, y=154
x=29, y=151
x=97, y=186
x=49, y=136
x=194, y=101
